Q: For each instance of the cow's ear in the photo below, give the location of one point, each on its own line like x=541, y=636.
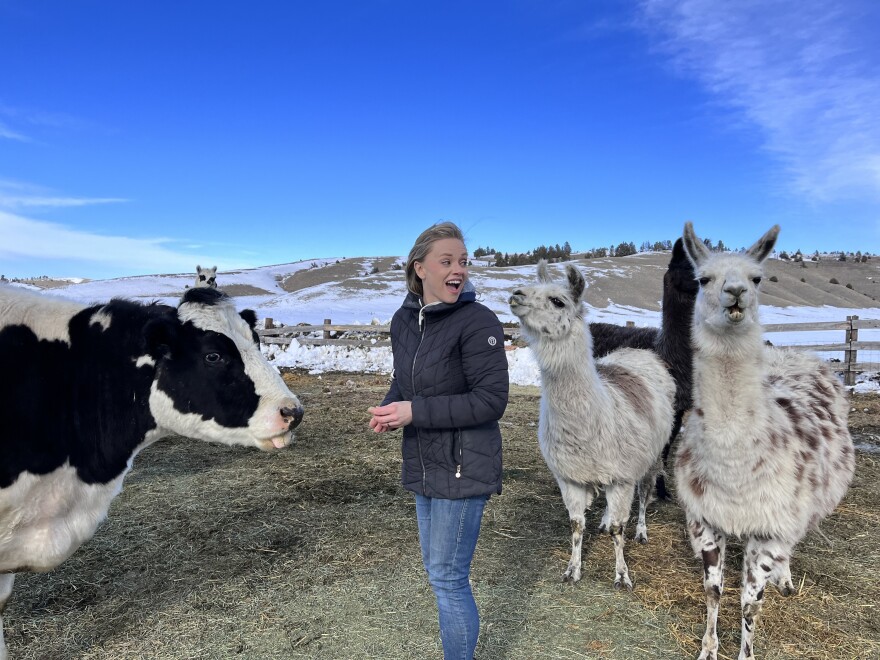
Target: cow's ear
x=250, y=316
x=160, y=336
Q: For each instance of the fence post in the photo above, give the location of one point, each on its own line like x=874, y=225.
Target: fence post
x=269, y=324
x=849, y=356
x=326, y=331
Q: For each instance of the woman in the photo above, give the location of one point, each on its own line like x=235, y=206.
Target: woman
x=448, y=391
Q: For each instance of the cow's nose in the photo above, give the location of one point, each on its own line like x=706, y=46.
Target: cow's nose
x=294, y=415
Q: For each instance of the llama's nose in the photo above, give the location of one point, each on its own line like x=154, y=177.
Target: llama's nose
x=293, y=416
x=518, y=292
x=736, y=290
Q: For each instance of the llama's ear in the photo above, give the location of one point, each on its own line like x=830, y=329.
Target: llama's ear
x=696, y=250
x=575, y=282
x=198, y=269
x=543, y=273
x=764, y=245
x=679, y=258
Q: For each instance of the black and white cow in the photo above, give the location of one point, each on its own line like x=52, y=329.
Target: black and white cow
x=84, y=389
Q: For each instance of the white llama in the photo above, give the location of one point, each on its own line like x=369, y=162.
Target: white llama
x=766, y=453
x=206, y=277
x=603, y=423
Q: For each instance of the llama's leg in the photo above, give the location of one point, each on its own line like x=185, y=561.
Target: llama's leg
x=577, y=499
x=603, y=524
x=646, y=494
x=709, y=545
x=6, y=580
x=662, y=491
x=780, y=576
x=619, y=497
x=764, y=560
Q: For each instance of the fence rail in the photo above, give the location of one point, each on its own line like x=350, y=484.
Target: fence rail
x=333, y=334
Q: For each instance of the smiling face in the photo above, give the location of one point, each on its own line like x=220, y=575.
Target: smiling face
x=443, y=271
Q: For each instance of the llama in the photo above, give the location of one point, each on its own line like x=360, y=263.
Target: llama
x=766, y=453
x=206, y=277
x=672, y=341
x=603, y=424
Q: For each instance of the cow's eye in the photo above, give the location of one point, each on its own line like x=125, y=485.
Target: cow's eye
x=557, y=302
x=212, y=358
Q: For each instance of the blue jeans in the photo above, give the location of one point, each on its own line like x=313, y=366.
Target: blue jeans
x=448, y=531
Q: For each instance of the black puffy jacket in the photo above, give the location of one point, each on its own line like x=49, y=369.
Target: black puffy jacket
x=449, y=361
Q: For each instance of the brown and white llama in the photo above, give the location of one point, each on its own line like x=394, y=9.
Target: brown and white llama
x=603, y=423
x=766, y=453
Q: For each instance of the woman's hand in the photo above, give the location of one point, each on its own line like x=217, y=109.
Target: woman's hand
x=393, y=416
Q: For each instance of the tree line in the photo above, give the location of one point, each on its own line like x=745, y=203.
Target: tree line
x=563, y=253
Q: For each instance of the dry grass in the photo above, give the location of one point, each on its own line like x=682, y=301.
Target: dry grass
x=218, y=552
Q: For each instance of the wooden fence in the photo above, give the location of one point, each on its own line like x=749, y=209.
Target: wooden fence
x=378, y=335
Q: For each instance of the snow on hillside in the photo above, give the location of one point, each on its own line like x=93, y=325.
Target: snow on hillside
x=373, y=298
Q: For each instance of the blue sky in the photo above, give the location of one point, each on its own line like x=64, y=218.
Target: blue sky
x=145, y=137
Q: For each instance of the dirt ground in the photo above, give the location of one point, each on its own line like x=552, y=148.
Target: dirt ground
x=312, y=552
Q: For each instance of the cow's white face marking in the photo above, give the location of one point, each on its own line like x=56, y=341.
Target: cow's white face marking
x=266, y=428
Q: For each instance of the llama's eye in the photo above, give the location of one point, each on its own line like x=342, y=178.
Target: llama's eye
x=212, y=358
x=705, y=280
x=557, y=302
x=756, y=280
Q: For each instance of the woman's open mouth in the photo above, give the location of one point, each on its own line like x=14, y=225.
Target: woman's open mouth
x=454, y=286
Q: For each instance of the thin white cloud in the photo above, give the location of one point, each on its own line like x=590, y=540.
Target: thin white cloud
x=7, y=133
x=16, y=195
x=12, y=202
x=807, y=73
x=40, y=241
x=35, y=119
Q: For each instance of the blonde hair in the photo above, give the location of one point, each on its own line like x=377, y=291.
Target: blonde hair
x=421, y=248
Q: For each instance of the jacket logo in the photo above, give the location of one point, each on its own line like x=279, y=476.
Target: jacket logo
x=492, y=341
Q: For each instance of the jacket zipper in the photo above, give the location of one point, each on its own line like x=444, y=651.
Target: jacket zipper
x=460, y=461
x=412, y=376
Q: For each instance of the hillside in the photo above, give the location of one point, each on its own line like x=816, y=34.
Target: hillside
x=346, y=289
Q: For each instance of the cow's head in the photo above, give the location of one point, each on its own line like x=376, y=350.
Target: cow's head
x=211, y=380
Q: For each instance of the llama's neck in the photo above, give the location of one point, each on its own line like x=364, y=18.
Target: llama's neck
x=675, y=328
x=567, y=363
x=728, y=372
x=678, y=312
